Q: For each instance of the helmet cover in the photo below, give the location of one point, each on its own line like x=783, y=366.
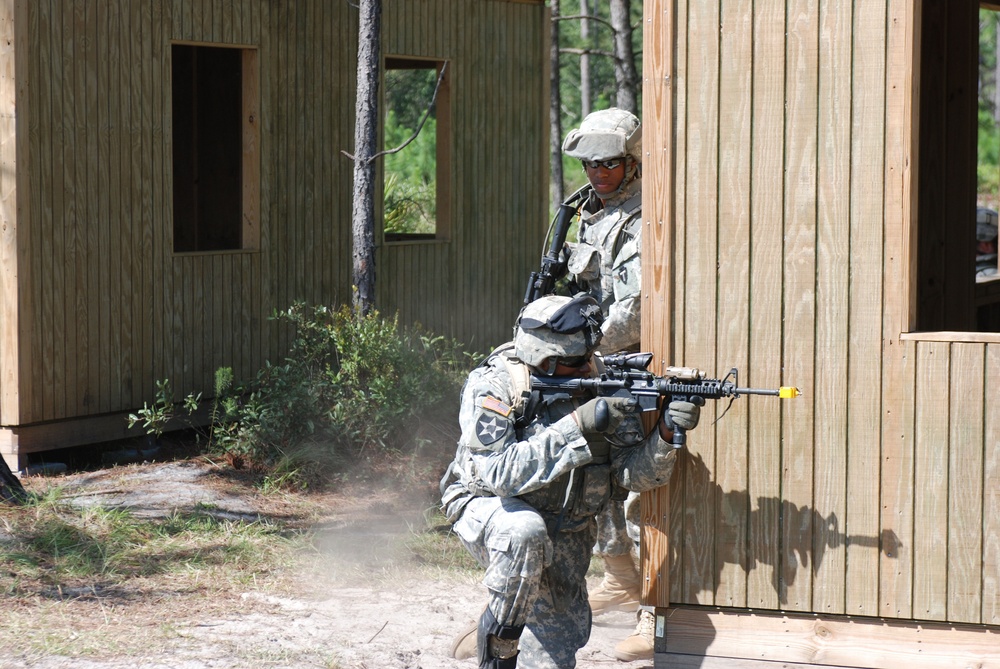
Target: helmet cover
x=556, y=326
x=605, y=135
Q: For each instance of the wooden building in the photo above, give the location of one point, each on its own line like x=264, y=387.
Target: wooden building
x=810, y=204
x=128, y=256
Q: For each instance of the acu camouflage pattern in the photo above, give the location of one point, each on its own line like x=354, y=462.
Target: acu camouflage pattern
x=606, y=263
x=605, y=135
x=538, y=344
x=524, y=503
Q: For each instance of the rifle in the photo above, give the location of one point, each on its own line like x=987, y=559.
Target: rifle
x=542, y=282
x=626, y=373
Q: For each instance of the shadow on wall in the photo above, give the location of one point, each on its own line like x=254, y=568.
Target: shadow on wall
x=774, y=532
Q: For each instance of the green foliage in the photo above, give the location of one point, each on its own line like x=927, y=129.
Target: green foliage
x=349, y=384
x=988, y=163
x=156, y=417
x=603, y=86
x=410, y=191
x=408, y=92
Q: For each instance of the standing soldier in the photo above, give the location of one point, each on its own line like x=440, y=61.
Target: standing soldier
x=606, y=263
x=605, y=260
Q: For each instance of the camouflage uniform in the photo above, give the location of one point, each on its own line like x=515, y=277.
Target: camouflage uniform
x=606, y=263
x=523, y=500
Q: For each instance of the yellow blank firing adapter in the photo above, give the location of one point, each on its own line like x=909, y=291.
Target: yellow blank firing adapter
x=787, y=392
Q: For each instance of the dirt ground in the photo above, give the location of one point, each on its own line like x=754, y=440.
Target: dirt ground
x=363, y=607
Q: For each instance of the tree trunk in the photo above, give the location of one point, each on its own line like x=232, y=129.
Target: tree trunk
x=365, y=137
x=625, y=75
x=555, y=109
x=11, y=490
x=585, y=93
x=996, y=70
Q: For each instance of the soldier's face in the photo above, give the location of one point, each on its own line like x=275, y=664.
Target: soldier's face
x=604, y=180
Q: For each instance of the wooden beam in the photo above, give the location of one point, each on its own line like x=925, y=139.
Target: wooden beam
x=751, y=640
x=16, y=442
x=657, y=267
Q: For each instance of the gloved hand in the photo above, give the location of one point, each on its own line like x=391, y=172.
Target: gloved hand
x=559, y=268
x=681, y=414
x=593, y=420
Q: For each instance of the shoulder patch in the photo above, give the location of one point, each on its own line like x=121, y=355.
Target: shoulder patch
x=491, y=403
x=490, y=428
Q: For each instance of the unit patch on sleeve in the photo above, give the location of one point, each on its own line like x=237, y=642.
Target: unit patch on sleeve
x=490, y=428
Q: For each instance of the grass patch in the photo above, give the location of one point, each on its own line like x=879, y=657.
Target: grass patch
x=60, y=551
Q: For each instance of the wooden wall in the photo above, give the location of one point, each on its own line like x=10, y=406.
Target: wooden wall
x=781, y=230
x=500, y=166
x=101, y=307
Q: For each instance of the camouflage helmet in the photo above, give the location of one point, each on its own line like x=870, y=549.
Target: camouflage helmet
x=556, y=326
x=605, y=135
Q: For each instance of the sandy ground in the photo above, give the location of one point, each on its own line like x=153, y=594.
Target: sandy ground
x=363, y=611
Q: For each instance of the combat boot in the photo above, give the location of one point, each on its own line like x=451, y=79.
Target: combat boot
x=638, y=646
x=619, y=590
x=464, y=645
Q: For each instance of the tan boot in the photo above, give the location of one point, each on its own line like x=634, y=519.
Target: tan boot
x=619, y=591
x=638, y=646
x=464, y=645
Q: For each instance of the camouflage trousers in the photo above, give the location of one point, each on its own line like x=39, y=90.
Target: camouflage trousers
x=534, y=579
x=618, y=527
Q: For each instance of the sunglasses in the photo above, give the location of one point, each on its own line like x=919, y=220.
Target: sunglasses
x=575, y=362
x=606, y=164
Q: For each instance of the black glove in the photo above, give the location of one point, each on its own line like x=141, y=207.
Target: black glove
x=558, y=268
x=681, y=414
x=604, y=414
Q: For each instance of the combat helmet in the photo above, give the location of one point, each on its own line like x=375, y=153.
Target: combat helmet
x=556, y=326
x=605, y=135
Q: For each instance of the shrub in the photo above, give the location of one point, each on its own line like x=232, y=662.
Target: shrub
x=349, y=383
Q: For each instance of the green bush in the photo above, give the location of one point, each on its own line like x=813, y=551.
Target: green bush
x=349, y=384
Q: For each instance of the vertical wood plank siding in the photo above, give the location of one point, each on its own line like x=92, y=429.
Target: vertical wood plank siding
x=876, y=493
x=101, y=307
x=497, y=226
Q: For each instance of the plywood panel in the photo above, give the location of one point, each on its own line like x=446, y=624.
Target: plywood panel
x=930, y=535
x=68, y=382
x=97, y=328
x=809, y=640
x=832, y=281
x=965, y=487
x=899, y=357
x=658, y=167
x=799, y=270
x=658, y=159
x=157, y=25
x=700, y=291
x=866, y=305
x=735, y=106
x=764, y=442
x=9, y=308
x=991, y=494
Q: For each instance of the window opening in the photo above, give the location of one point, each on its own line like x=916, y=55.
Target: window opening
x=415, y=178
x=215, y=161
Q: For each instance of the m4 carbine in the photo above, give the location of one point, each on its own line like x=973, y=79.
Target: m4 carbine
x=625, y=374
x=543, y=282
